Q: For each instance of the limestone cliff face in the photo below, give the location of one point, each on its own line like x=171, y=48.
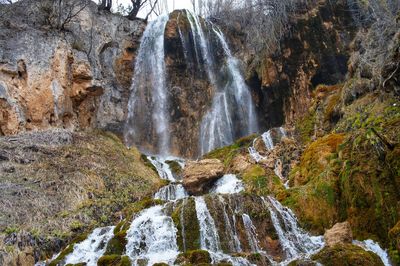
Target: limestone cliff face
x=77, y=78
x=315, y=51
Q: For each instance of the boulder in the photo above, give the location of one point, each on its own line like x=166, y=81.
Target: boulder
x=198, y=176
x=340, y=233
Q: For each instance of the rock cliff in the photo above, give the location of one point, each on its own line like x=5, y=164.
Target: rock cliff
x=76, y=78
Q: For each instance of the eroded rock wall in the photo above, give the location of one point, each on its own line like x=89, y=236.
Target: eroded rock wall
x=76, y=78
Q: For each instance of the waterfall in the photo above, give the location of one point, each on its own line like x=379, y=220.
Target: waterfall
x=163, y=168
x=228, y=184
x=251, y=233
x=370, y=245
x=152, y=237
x=182, y=219
x=92, y=248
x=209, y=238
x=199, y=39
x=149, y=93
x=266, y=137
x=231, y=102
x=231, y=231
x=294, y=241
x=254, y=153
x=238, y=89
x=171, y=192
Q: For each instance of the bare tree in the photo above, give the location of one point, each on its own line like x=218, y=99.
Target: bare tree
x=138, y=5
x=105, y=5
x=59, y=13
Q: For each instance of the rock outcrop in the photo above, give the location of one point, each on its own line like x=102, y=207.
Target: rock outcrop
x=340, y=233
x=76, y=78
x=198, y=176
x=314, y=52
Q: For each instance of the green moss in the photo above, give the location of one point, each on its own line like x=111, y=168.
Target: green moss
x=227, y=153
x=146, y=161
x=141, y=205
x=117, y=244
x=195, y=257
x=114, y=260
x=346, y=255
x=175, y=167
x=305, y=127
x=394, y=246
x=191, y=239
x=68, y=249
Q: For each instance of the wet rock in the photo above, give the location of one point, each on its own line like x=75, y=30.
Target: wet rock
x=340, y=233
x=347, y=254
x=198, y=176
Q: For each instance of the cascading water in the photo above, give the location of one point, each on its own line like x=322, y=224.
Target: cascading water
x=148, y=118
x=152, y=237
x=294, y=241
x=232, y=112
x=171, y=192
x=91, y=249
x=251, y=233
x=234, y=244
x=228, y=184
x=370, y=245
x=232, y=107
x=238, y=89
x=209, y=238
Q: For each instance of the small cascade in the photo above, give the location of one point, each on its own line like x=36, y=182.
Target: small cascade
x=370, y=245
x=199, y=39
x=92, y=248
x=294, y=241
x=216, y=127
x=228, y=184
x=149, y=93
x=152, y=238
x=251, y=233
x=171, y=192
x=209, y=238
x=163, y=168
x=254, y=153
x=182, y=219
x=269, y=143
x=267, y=138
x=231, y=231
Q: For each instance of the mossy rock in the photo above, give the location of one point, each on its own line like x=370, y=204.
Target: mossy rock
x=191, y=238
x=227, y=153
x=114, y=260
x=261, y=181
x=175, y=167
x=117, y=244
x=394, y=247
x=68, y=250
x=141, y=205
x=147, y=162
x=346, y=255
x=160, y=264
x=195, y=257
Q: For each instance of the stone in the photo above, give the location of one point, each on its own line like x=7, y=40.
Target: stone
x=76, y=79
x=340, y=233
x=198, y=176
